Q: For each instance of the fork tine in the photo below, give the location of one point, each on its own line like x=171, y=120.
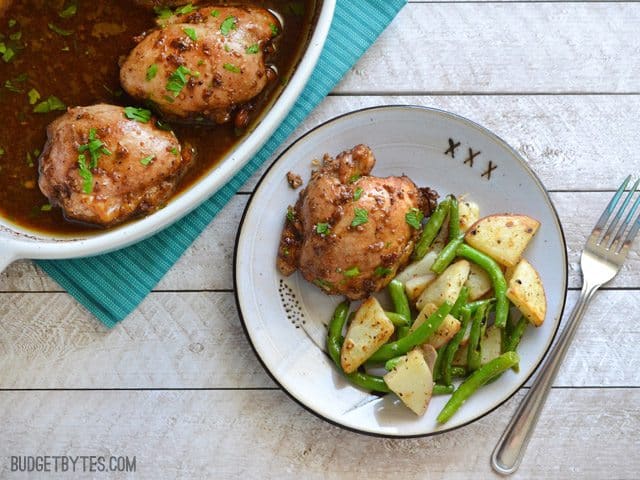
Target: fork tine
x=614, y=223
x=625, y=224
x=602, y=221
x=634, y=229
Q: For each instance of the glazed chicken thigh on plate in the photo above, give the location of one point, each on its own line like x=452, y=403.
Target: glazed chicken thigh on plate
x=348, y=232
x=207, y=64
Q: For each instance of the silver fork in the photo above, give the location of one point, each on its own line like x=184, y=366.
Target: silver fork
x=602, y=258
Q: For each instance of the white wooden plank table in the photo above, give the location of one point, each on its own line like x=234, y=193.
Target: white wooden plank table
x=177, y=384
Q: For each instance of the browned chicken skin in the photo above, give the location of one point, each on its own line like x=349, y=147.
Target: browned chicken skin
x=138, y=165
x=348, y=233
x=206, y=64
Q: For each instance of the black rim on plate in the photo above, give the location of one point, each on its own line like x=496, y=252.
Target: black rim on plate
x=472, y=124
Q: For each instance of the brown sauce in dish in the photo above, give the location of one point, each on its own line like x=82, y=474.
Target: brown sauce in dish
x=49, y=48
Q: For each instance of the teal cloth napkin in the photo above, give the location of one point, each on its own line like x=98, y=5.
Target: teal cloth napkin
x=112, y=285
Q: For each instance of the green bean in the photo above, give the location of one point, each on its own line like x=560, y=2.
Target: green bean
x=439, y=389
x=458, y=372
x=446, y=256
x=403, y=332
x=334, y=345
x=514, y=339
x=452, y=347
x=437, y=366
x=431, y=229
x=473, y=353
x=497, y=279
x=481, y=376
x=393, y=362
x=461, y=301
x=417, y=337
x=397, y=319
x=516, y=335
x=400, y=300
x=454, y=218
x=473, y=306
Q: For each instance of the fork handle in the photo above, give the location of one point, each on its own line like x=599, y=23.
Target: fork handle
x=512, y=445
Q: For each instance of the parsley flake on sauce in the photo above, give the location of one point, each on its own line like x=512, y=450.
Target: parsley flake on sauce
x=360, y=218
x=253, y=49
x=34, y=96
x=231, y=68
x=191, y=33
x=322, y=228
x=96, y=148
x=414, y=218
x=230, y=23
x=147, y=160
x=352, y=272
x=68, y=12
x=51, y=104
x=60, y=31
x=274, y=29
x=186, y=9
x=215, y=13
x=178, y=80
x=358, y=193
x=141, y=115
x=381, y=271
x=152, y=71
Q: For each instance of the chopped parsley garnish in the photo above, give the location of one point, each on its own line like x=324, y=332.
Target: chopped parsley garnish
x=381, y=271
x=163, y=12
x=352, y=272
x=60, y=31
x=175, y=151
x=34, y=96
x=12, y=87
x=141, y=115
x=186, y=9
x=354, y=178
x=7, y=53
x=178, y=79
x=291, y=216
x=12, y=23
x=358, y=193
x=85, y=174
x=152, y=71
x=15, y=36
x=51, y=104
x=147, y=160
x=360, y=218
x=231, y=67
x=322, y=228
x=215, y=13
x=68, y=12
x=227, y=48
x=95, y=147
x=30, y=163
x=274, y=29
x=229, y=23
x=46, y=207
x=253, y=49
x=414, y=218
x=1, y=151
x=191, y=33
x=324, y=284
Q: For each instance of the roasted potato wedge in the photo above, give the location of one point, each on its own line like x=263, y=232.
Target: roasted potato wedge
x=412, y=381
x=503, y=237
x=491, y=344
x=446, y=287
x=478, y=283
x=469, y=213
x=369, y=330
x=415, y=286
x=526, y=291
x=445, y=332
x=419, y=268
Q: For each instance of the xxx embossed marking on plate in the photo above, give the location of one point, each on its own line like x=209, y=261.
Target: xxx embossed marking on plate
x=405, y=140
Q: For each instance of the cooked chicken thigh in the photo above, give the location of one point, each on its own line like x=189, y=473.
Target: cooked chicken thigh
x=103, y=168
x=205, y=64
x=348, y=232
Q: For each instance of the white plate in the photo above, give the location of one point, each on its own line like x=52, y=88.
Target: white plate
x=285, y=317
